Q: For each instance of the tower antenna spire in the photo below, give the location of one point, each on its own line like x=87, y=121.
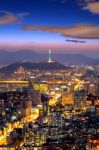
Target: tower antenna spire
x=49, y=56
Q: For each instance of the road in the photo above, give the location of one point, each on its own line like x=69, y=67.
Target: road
x=19, y=124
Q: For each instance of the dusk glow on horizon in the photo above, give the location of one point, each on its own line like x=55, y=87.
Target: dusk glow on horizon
x=56, y=24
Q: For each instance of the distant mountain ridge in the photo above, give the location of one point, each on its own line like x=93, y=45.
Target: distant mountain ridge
x=32, y=56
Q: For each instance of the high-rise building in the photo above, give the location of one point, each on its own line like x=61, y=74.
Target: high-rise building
x=38, y=137
x=26, y=106
x=80, y=99
x=45, y=103
x=35, y=96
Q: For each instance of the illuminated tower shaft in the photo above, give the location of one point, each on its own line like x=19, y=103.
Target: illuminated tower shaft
x=49, y=58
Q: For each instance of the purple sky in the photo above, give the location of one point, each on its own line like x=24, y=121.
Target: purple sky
x=70, y=26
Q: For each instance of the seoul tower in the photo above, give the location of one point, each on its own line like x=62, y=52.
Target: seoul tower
x=49, y=56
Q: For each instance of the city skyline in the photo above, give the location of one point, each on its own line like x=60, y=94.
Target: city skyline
x=49, y=74
x=65, y=26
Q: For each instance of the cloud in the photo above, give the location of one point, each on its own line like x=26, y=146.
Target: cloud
x=10, y=18
x=75, y=41
x=78, y=31
x=92, y=7
x=79, y=2
x=22, y=15
x=85, y=2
